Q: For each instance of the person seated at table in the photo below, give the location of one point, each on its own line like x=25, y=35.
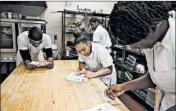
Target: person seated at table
x=95, y=60
x=147, y=25
x=30, y=45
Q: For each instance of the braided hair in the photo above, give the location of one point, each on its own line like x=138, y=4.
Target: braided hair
x=131, y=21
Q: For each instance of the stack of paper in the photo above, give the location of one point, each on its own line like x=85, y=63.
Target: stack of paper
x=103, y=107
x=76, y=78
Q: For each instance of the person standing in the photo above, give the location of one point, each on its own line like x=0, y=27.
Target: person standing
x=100, y=35
x=147, y=25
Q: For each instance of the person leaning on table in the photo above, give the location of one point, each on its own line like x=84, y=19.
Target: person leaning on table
x=95, y=60
x=147, y=25
x=30, y=45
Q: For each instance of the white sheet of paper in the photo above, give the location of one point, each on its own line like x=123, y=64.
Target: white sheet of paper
x=103, y=107
x=39, y=64
x=76, y=78
x=35, y=63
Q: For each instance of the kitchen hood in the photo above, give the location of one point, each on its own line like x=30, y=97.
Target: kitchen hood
x=26, y=8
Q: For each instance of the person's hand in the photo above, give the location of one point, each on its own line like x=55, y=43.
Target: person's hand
x=114, y=91
x=29, y=65
x=50, y=64
x=89, y=74
x=83, y=71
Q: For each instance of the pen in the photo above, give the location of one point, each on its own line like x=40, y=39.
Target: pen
x=108, y=95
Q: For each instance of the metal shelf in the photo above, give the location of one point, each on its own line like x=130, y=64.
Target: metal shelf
x=124, y=67
x=69, y=33
x=83, y=13
x=138, y=95
x=36, y=21
x=146, y=95
x=123, y=48
x=64, y=31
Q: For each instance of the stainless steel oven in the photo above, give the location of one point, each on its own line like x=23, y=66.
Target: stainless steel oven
x=8, y=37
x=8, y=48
x=9, y=31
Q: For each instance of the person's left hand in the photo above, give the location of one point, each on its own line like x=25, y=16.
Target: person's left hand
x=114, y=91
x=50, y=65
x=89, y=74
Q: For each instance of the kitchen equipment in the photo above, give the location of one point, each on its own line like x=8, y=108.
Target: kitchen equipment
x=16, y=16
x=67, y=51
x=55, y=51
x=120, y=60
x=70, y=44
x=131, y=60
x=8, y=37
x=3, y=15
x=8, y=42
x=140, y=68
x=26, y=26
x=10, y=15
x=128, y=75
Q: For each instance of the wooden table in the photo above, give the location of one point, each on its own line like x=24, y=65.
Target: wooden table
x=47, y=90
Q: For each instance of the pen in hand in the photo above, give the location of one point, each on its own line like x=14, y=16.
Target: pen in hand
x=108, y=94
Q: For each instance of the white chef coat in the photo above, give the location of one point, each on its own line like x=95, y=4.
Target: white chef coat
x=161, y=65
x=35, y=52
x=99, y=59
x=101, y=36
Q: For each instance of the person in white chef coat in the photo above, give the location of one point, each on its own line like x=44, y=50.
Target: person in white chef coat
x=30, y=46
x=100, y=35
x=95, y=60
x=147, y=25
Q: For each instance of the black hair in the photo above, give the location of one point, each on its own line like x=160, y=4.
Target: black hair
x=35, y=33
x=82, y=39
x=76, y=35
x=131, y=21
x=94, y=20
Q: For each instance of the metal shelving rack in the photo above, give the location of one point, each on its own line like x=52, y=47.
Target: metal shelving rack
x=146, y=95
x=70, y=12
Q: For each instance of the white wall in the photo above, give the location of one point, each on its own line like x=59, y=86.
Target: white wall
x=54, y=25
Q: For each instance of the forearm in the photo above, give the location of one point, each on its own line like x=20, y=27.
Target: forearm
x=82, y=66
x=153, y=37
x=25, y=55
x=139, y=83
x=49, y=53
x=102, y=72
